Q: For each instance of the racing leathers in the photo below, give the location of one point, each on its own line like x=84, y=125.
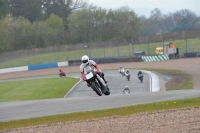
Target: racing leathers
x=93, y=65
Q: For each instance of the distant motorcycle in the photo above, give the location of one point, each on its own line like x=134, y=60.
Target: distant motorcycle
x=96, y=82
x=126, y=90
x=127, y=74
x=122, y=71
x=62, y=74
x=140, y=76
x=141, y=79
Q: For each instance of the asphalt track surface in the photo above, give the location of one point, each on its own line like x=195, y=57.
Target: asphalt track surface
x=82, y=98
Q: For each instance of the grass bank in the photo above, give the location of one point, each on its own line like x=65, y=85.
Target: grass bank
x=36, y=89
x=179, y=79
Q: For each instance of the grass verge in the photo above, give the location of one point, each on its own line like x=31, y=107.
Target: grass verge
x=179, y=79
x=36, y=89
x=123, y=111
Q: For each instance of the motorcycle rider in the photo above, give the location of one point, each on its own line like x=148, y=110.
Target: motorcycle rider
x=121, y=70
x=140, y=74
x=127, y=72
x=85, y=62
x=61, y=72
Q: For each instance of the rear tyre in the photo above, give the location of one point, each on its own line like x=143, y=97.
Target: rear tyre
x=96, y=87
x=141, y=79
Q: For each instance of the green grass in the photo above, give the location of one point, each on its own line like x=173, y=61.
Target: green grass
x=193, y=46
x=36, y=89
x=180, y=80
x=87, y=115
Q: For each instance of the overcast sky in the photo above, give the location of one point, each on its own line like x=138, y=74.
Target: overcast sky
x=143, y=7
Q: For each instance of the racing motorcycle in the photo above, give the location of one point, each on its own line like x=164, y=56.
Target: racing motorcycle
x=140, y=77
x=122, y=71
x=62, y=74
x=126, y=90
x=127, y=74
x=95, y=81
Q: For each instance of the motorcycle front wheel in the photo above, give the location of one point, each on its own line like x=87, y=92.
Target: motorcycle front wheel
x=107, y=92
x=96, y=87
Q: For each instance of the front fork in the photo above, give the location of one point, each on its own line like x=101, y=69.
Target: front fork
x=101, y=80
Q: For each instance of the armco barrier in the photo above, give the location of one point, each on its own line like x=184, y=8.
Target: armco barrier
x=191, y=54
x=14, y=69
x=155, y=58
x=71, y=63
x=61, y=64
x=108, y=60
x=154, y=81
x=42, y=66
x=34, y=67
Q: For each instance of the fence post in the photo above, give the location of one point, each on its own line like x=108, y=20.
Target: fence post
x=104, y=52
x=163, y=47
x=148, y=48
x=133, y=50
x=186, y=46
x=118, y=51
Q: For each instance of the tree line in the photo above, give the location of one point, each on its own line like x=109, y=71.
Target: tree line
x=26, y=24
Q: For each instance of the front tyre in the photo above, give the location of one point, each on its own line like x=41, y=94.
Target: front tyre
x=96, y=87
x=107, y=92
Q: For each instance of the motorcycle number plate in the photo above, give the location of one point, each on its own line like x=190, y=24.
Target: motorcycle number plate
x=89, y=75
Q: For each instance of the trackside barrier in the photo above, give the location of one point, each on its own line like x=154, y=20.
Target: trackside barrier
x=42, y=66
x=34, y=67
x=155, y=58
x=14, y=69
x=154, y=81
x=61, y=64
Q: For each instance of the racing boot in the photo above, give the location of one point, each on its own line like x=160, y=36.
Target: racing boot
x=104, y=80
x=88, y=84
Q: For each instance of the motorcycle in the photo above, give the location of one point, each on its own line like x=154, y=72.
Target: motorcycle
x=96, y=82
x=62, y=74
x=127, y=74
x=122, y=71
x=126, y=90
x=140, y=77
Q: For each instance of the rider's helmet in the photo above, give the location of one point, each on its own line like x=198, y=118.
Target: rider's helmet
x=85, y=59
x=127, y=71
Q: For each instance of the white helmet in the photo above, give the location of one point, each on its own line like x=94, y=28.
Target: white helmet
x=85, y=59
